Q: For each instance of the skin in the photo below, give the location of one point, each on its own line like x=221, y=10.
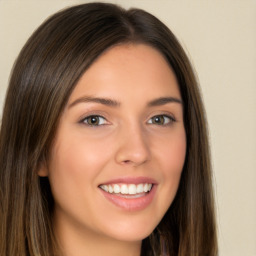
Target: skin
x=127, y=142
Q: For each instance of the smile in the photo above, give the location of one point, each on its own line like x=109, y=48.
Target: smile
x=127, y=189
x=130, y=194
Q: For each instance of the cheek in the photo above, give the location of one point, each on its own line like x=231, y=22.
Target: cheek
x=74, y=166
x=171, y=152
x=78, y=156
x=171, y=162
x=175, y=157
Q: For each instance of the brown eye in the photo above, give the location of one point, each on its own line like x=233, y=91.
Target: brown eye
x=161, y=120
x=94, y=120
x=158, y=120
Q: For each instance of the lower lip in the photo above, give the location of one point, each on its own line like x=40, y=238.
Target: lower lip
x=131, y=204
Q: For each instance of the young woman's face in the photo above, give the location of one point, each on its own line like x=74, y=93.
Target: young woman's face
x=120, y=147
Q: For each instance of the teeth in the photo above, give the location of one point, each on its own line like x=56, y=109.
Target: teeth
x=140, y=188
x=127, y=189
x=124, y=189
x=105, y=187
x=110, y=189
x=145, y=188
x=132, y=189
x=116, y=189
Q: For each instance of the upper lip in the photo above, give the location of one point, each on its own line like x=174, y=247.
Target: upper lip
x=130, y=180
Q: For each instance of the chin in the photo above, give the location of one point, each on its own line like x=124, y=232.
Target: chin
x=131, y=232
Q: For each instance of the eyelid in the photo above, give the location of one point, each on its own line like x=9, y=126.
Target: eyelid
x=168, y=115
x=171, y=118
x=82, y=121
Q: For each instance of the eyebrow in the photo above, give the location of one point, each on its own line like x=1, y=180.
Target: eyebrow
x=164, y=100
x=103, y=101
x=113, y=103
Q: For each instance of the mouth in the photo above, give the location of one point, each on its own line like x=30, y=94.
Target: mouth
x=127, y=190
x=129, y=196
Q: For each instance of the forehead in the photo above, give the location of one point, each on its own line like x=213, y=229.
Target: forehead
x=130, y=70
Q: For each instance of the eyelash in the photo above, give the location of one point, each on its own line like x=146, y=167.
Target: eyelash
x=168, y=120
x=98, y=117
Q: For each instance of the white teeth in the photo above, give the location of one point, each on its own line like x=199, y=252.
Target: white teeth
x=127, y=189
x=145, y=188
x=140, y=188
x=116, y=189
x=110, y=189
x=124, y=189
x=105, y=187
x=132, y=189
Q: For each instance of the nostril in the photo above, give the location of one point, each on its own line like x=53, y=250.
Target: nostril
x=127, y=161
x=132, y=153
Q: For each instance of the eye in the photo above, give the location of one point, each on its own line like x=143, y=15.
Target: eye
x=94, y=120
x=161, y=120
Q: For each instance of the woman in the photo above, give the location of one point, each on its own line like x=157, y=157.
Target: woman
x=103, y=145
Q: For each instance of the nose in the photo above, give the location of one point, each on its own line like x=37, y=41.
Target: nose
x=133, y=147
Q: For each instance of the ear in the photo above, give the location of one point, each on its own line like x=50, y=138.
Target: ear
x=43, y=170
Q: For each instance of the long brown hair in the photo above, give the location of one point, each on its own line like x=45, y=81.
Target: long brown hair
x=45, y=73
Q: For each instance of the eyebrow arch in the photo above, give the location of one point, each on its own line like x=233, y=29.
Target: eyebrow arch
x=163, y=101
x=103, y=101
x=113, y=103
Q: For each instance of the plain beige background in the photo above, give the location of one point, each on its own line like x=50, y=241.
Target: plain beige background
x=220, y=38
